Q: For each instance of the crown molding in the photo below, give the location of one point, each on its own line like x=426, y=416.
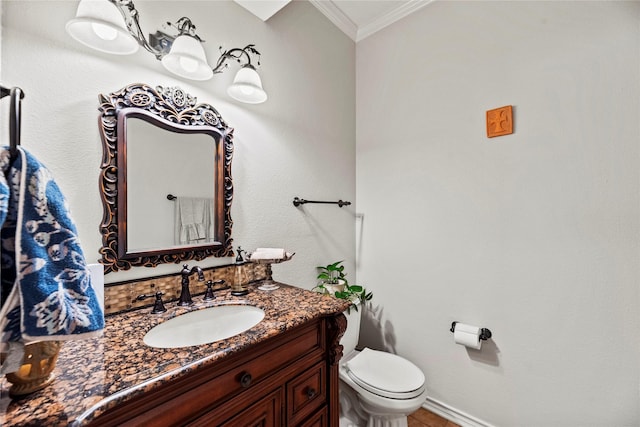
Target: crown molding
x=391, y=17
x=329, y=9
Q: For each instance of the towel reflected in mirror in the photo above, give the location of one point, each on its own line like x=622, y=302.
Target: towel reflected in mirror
x=194, y=220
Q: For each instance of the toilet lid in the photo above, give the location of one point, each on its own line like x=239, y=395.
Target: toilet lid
x=386, y=374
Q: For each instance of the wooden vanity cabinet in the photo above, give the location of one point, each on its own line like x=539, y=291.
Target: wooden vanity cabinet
x=288, y=380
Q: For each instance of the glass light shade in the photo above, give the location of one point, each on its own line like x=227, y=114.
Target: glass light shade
x=100, y=25
x=247, y=86
x=187, y=59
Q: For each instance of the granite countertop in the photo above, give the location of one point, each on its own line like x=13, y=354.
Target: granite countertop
x=94, y=375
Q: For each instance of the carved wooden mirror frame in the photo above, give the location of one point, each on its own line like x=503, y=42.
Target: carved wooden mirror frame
x=172, y=109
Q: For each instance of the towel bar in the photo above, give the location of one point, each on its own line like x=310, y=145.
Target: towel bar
x=14, y=116
x=298, y=201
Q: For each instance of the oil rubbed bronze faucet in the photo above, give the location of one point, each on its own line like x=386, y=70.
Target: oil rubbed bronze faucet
x=185, y=294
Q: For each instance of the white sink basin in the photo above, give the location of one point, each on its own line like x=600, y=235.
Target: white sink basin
x=204, y=326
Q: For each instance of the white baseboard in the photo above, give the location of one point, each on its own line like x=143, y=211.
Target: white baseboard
x=461, y=418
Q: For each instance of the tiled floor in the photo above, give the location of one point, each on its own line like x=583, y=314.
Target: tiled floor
x=424, y=418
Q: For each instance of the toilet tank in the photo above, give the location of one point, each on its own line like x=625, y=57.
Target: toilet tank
x=351, y=336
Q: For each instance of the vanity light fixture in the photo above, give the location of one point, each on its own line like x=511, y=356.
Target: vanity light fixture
x=113, y=26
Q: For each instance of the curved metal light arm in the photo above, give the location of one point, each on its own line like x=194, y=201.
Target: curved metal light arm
x=185, y=26
x=160, y=43
x=236, y=54
x=132, y=20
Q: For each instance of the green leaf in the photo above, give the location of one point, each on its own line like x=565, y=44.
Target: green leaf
x=334, y=267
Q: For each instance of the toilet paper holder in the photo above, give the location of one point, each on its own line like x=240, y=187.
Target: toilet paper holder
x=485, y=333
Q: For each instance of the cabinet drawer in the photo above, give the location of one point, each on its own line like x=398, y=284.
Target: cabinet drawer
x=306, y=393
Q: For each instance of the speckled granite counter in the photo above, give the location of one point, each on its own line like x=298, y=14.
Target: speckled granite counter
x=94, y=375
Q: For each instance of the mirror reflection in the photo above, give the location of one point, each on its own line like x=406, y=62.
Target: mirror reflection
x=170, y=195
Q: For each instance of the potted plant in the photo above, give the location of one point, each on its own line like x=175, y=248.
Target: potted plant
x=333, y=282
x=332, y=278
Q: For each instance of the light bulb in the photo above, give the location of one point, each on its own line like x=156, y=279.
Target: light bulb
x=188, y=64
x=247, y=86
x=247, y=90
x=187, y=59
x=104, y=31
x=99, y=25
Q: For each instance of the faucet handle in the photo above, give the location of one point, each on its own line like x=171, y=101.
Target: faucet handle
x=208, y=295
x=158, y=306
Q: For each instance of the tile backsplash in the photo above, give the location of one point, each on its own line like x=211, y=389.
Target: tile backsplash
x=121, y=296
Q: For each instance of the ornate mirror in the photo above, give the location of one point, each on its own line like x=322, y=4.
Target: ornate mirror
x=165, y=178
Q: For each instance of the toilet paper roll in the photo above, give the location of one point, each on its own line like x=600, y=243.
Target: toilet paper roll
x=467, y=335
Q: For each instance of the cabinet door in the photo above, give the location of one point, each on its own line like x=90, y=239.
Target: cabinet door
x=266, y=412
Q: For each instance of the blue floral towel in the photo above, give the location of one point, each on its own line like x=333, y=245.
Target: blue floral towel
x=46, y=291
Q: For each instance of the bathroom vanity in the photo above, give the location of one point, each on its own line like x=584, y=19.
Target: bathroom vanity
x=281, y=372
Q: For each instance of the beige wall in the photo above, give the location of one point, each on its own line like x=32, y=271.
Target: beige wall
x=301, y=142
x=533, y=235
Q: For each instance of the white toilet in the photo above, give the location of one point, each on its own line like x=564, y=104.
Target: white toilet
x=377, y=389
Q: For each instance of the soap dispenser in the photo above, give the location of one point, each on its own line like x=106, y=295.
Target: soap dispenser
x=240, y=275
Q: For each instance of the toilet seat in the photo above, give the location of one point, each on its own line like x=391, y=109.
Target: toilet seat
x=385, y=374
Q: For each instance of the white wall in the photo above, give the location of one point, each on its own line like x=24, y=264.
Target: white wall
x=301, y=142
x=533, y=235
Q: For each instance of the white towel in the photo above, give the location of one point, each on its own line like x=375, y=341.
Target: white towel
x=268, y=253
x=97, y=282
x=194, y=220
